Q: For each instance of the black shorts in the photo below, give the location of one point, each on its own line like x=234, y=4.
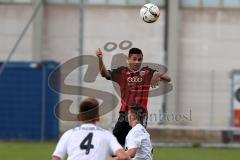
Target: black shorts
x=122, y=127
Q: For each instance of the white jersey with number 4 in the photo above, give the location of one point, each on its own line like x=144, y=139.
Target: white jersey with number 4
x=139, y=138
x=87, y=142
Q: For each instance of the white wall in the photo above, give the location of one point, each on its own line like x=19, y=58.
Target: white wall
x=209, y=48
x=102, y=25
x=209, y=45
x=13, y=19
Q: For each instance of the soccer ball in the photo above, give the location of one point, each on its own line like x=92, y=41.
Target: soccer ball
x=149, y=13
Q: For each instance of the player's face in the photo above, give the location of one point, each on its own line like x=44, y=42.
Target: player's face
x=135, y=61
x=131, y=117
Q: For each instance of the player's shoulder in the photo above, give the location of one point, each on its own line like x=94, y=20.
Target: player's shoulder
x=69, y=132
x=106, y=134
x=134, y=135
x=101, y=129
x=76, y=129
x=121, y=68
x=104, y=131
x=118, y=69
x=138, y=130
x=147, y=68
x=133, y=131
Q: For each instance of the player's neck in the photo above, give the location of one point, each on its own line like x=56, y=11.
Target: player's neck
x=134, y=124
x=133, y=71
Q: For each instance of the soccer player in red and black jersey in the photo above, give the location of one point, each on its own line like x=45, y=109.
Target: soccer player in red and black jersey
x=134, y=83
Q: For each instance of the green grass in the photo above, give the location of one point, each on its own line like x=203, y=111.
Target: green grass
x=43, y=151
x=196, y=154
x=26, y=150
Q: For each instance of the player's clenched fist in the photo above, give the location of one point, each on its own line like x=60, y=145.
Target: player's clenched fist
x=99, y=53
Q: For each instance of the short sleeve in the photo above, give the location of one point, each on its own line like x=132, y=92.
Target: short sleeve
x=114, y=145
x=115, y=74
x=61, y=148
x=152, y=71
x=134, y=141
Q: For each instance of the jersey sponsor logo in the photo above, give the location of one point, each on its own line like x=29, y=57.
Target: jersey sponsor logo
x=134, y=79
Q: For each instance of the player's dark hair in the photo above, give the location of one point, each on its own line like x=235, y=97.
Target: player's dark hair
x=134, y=51
x=88, y=110
x=139, y=112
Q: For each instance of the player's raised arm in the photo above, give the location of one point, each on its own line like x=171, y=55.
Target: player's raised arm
x=102, y=67
x=157, y=77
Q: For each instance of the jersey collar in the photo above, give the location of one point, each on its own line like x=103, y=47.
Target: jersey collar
x=132, y=71
x=88, y=125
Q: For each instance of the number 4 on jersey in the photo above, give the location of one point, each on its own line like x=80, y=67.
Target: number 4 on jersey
x=86, y=143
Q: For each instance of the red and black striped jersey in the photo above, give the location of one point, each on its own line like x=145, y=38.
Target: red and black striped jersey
x=134, y=86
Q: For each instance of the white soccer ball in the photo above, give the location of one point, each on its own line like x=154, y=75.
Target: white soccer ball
x=150, y=13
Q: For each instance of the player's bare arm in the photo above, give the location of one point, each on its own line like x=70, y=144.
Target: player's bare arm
x=121, y=155
x=102, y=67
x=56, y=158
x=132, y=152
x=159, y=77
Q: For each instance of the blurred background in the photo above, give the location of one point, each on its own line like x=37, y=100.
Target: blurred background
x=197, y=40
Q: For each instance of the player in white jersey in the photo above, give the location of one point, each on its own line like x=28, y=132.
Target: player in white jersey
x=138, y=144
x=88, y=142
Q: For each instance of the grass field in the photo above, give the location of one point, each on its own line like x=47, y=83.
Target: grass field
x=43, y=151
